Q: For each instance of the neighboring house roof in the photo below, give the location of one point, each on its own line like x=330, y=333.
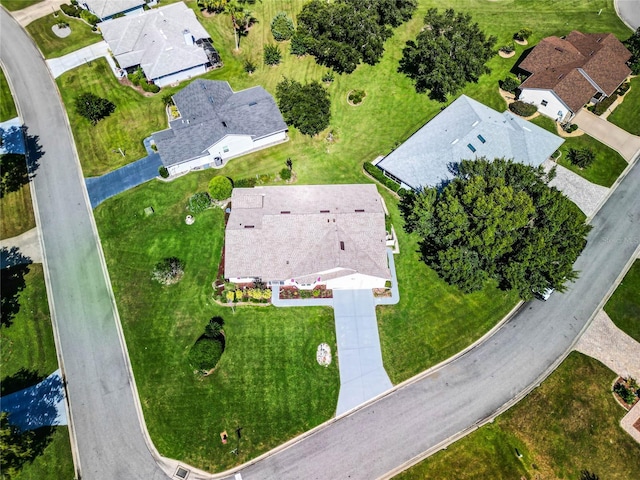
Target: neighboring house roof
x=425, y=159
x=160, y=40
x=577, y=66
x=296, y=232
x=108, y=8
x=210, y=110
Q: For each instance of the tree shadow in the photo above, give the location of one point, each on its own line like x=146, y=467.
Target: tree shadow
x=15, y=266
x=18, y=168
x=20, y=380
x=22, y=446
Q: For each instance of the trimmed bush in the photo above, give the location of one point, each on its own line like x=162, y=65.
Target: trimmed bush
x=356, y=96
x=298, y=46
x=244, y=183
x=168, y=271
x=205, y=353
x=522, y=34
x=523, y=109
x=376, y=173
x=508, y=48
x=570, y=127
x=282, y=27
x=510, y=84
x=285, y=174
x=272, y=55
x=581, y=157
x=93, y=107
x=626, y=394
x=220, y=188
x=199, y=202
x=89, y=17
x=164, y=173
x=70, y=10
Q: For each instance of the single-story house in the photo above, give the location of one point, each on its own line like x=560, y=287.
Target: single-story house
x=108, y=9
x=168, y=43
x=567, y=73
x=216, y=124
x=466, y=129
x=305, y=236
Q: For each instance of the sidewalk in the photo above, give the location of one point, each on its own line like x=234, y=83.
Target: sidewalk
x=27, y=15
x=28, y=243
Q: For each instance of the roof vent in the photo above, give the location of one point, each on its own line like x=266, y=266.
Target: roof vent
x=359, y=210
x=455, y=141
x=203, y=86
x=559, y=49
x=341, y=245
x=188, y=38
x=325, y=211
x=253, y=103
x=599, y=40
x=249, y=226
x=211, y=100
x=475, y=123
x=285, y=212
x=224, y=124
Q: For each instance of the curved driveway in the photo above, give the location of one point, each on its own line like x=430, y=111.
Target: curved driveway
x=109, y=438
x=366, y=444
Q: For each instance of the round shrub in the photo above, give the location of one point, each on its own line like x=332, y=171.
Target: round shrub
x=356, y=96
x=272, y=55
x=282, y=27
x=523, y=109
x=199, y=202
x=508, y=48
x=220, y=188
x=150, y=87
x=164, y=173
x=168, y=271
x=510, y=84
x=205, y=353
x=285, y=174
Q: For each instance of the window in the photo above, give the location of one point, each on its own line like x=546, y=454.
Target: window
x=544, y=103
x=225, y=149
x=471, y=147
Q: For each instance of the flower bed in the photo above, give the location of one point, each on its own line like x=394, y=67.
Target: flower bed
x=626, y=391
x=294, y=293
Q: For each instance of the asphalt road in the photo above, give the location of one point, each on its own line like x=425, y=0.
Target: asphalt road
x=109, y=436
x=629, y=12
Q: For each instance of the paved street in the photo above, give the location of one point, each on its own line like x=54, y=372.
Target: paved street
x=629, y=12
x=109, y=436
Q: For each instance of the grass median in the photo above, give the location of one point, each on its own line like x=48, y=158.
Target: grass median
x=624, y=305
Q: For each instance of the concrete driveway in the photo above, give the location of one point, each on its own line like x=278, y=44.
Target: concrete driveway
x=27, y=15
x=362, y=375
x=80, y=57
x=620, y=140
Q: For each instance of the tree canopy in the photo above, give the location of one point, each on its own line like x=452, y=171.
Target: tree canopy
x=449, y=52
x=633, y=44
x=93, y=107
x=343, y=33
x=306, y=107
x=16, y=447
x=498, y=220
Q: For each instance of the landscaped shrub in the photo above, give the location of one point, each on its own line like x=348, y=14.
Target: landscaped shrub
x=164, y=173
x=220, y=188
x=214, y=328
x=626, y=394
x=167, y=99
x=376, y=173
x=205, y=354
x=199, y=202
x=89, y=17
x=70, y=10
x=285, y=174
x=93, y=108
x=282, y=27
x=510, y=84
x=522, y=34
x=523, y=109
x=508, y=48
x=298, y=47
x=244, y=183
x=602, y=106
x=150, y=87
x=328, y=77
x=168, y=271
x=356, y=96
x=272, y=55
x=569, y=127
x=137, y=77
x=249, y=66
x=581, y=157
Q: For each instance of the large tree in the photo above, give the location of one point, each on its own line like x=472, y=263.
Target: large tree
x=498, y=220
x=93, y=107
x=16, y=447
x=449, y=52
x=633, y=44
x=306, y=107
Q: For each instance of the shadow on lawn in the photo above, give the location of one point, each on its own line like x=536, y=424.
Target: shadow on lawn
x=15, y=266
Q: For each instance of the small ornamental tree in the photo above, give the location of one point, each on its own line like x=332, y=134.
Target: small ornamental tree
x=93, y=107
x=248, y=66
x=581, y=157
x=522, y=34
x=220, y=188
x=199, y=202
x=282, y=27
x=510, y=84
x=272, y=55
x=168, y=271
x=523, y=109
x=306, y=107
x=298, y=46
x=633, y=45
x=285, y=174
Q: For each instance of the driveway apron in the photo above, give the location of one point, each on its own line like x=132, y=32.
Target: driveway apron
x=620, y=140
x=362, y=375
x=122, y=179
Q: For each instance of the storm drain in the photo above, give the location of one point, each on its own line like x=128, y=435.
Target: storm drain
x=181, y=473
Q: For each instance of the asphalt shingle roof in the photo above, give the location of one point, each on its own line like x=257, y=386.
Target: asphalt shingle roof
x=424, y=160
x=211, y=110
x=295, y=232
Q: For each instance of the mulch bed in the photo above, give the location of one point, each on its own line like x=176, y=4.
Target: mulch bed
x=293, y=293
x=624, y=404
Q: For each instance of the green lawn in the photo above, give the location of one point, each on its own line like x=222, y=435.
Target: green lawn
x=13, y=5
x=27, y=346
x=53, y=46
x=17, y=213
x=7, y=107
x=624, y=305
x=607, y=166
x=569, y=424
x=627, y=114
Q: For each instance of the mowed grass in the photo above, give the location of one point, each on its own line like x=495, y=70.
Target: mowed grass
x=627, y=114
x=53, y=46
x=268, y=381
x=28, y=345
x=7, y=107
x=569, y=424
x=624, y=305
x=16, y=213
x=135, y=118
x=607, y=166
x=13, y=5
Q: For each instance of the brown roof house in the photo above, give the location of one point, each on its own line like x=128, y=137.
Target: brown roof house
x=566, y=73
x=332, y=235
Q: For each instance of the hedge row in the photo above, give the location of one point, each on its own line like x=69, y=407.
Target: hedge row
x=376, y=173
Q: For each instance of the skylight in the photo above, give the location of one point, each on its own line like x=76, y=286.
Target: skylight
x=471, y=147
x=481, y=138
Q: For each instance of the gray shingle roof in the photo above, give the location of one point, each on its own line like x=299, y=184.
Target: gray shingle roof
x=424, y=159
x=107, y=8
x=295, y=232
x=204, y=105
x=155, y=40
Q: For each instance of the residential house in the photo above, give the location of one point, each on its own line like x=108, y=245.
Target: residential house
x=466, y=129
x=331, y=235
x=108, y=9
x=567, y=73
x=168, y=43
x=216, y=124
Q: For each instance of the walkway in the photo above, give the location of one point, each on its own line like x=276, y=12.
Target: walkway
x=620, y=140
x=27, y=15
x=39, y=406
x=28, y=243
x=122, y=179
x=85, y=55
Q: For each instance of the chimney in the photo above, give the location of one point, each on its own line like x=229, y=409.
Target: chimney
x=188, y=38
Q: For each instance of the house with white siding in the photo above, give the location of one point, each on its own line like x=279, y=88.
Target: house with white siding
x=109, y=9
x=216, y=124
x=306, y=236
